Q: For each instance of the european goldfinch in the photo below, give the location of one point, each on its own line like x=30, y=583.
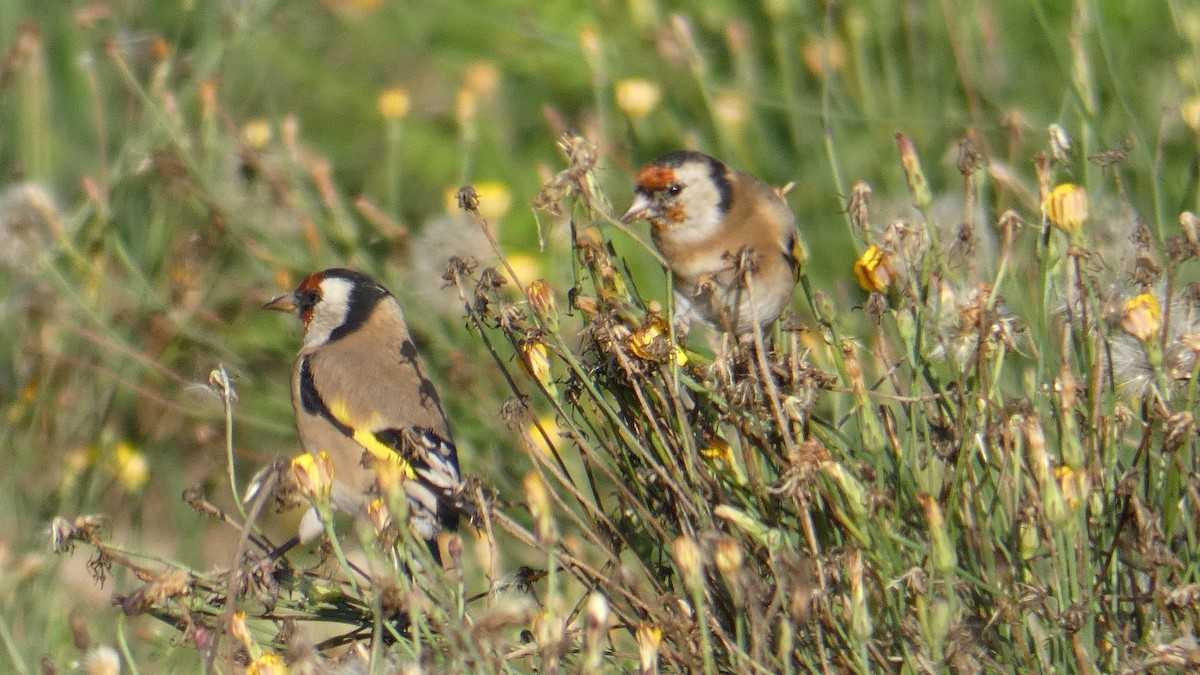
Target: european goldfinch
x=704, y=214
x=361, y=394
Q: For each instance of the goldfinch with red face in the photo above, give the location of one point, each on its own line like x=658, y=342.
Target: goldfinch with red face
x=703, y=215
x=361, y=394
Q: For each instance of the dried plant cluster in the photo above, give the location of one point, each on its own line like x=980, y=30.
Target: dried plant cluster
x=956, y=485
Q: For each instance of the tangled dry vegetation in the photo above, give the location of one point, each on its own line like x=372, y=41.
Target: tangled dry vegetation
x=989, y=464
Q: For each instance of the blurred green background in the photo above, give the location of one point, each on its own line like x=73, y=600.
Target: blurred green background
x=167, y=166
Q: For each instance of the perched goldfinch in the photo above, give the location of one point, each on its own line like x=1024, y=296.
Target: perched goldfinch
x=361, y=394
x=703, y=215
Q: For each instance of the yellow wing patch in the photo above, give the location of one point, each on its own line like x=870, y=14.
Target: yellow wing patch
x=366, y=438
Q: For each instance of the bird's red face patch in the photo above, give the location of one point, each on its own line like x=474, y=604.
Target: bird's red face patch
x=655, y=178
x=308, y=293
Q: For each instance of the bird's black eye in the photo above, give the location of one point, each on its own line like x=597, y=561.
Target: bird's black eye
x=306, y=300
x=674, y=189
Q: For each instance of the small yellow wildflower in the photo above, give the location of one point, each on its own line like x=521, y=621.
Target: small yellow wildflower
x=257, y=133
x=1189, y=110
x=537, y=360
x=550, y=426
x=240, y=630
x=1067, y=207
x=394, y=103
x=873, y=269
x=650, y=342
x=267, y=664
x=133, y=472
x=541, y=299
x=314, y=474
x=637, y=97
x=1141, y=317
x=648, y=638
x=526, y=267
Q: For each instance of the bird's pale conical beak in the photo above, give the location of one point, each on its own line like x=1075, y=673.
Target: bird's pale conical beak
x=638, y=209
x=283, y=303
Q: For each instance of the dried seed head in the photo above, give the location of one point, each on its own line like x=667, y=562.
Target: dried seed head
x=918, y=186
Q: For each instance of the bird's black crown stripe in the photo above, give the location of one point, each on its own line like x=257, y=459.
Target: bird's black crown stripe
x=365, y=293
x=313, y=404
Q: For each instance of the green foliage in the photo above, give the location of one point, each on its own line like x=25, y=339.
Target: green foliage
x=987, y=463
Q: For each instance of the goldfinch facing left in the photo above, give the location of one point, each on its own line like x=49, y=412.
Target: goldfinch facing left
x=703, y=215
x=361, y=394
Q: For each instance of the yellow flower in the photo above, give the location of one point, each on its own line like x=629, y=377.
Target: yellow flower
x=648, y=638
x=257, y=133
x=1076, y=486
x=1189, y=110
x=650, y=342
x=394, y=103
x=637, y=97
x=378, y=514
x=267, y=664
x=538, y=361
x=494, y=199
x=526, y=268
x=873, y=269
x=314, y=474
x=132, y=470
x=1141, y=317
x=239, y=629
x=550, y=426
x=1066, y=207
x=541, y=299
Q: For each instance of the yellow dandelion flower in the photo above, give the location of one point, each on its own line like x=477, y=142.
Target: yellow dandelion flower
x=314, y=474
x=873, y=269
x=494, y=199
x=1189, y=110
x=650, y=343
x=394, y=103
x=550, y=426
x=132, y=470
x=637, y=97
x=257, y=133
x=267, y=664
x=648, y=637
x=537, y=359
x=1066, y=207
x=1141, y=317
x=526, y=267
x=541, y=299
